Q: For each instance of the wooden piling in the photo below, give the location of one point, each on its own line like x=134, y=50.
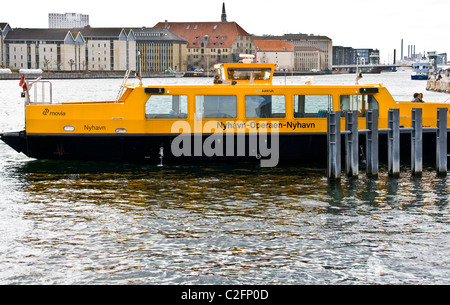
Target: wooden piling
x=441, y=141
x=372, y=136
x=416, y=142
x=351, y=144
x=394, y=142
x=334, y=145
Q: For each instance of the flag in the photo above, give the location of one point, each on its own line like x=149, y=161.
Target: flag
x=22, y=83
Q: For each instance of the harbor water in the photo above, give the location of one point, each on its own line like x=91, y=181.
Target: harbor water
x=215, y=224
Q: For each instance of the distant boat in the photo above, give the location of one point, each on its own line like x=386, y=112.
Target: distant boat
x=5, y=71
x=421, y=70
x=175, y=74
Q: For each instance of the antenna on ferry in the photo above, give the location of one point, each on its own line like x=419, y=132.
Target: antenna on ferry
x=358, y=73
x=139, y=73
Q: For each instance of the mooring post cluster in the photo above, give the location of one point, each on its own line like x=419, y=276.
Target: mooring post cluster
x=372, y=131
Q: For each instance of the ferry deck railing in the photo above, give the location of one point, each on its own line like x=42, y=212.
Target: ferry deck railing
x=372, y=132
x=38, y=91
x=122, y=87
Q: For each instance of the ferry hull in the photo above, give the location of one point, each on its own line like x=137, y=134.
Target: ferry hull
x=150, y=148
x=299, y=148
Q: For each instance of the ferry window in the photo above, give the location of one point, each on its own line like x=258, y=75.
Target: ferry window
x=312, y=106
x=265, y=106
x=166, y=107
x=360, y=103
x=216, y=106
x=249, y=74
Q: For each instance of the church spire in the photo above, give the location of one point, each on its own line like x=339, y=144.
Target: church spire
x=224, y=13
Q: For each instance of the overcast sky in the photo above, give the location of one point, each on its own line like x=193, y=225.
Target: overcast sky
x=377, y=24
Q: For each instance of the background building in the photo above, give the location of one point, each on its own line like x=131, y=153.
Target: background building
x=46, y=49
x=109, y=49
x=67, y=21
x=310, y=59
x=308, y=49
x=368, y=56
x=343, y=56
x=210, y=43
x=275, y=51
x=4, y=29
x=160, y=50
x=71, y=50
x=442, y=59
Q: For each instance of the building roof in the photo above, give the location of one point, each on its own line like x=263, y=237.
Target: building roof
x=3, y=25
x=218, y=34
x=38, y=34
x=292, y=37
x=100, y=32
x=4, y=28
x=157, y=34
x=307, y=49
x=273, y=46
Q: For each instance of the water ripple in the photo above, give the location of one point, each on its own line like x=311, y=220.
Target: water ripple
x=95, y=223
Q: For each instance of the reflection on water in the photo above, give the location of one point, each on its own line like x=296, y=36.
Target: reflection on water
x=102, y=223
x=216, y=224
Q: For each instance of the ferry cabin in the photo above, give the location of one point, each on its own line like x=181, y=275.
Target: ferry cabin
x=148, y=123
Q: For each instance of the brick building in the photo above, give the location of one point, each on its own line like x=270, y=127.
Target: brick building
x=210, y=43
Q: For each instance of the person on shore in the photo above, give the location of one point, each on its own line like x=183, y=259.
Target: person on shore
x=416, y=98
x=421, y=98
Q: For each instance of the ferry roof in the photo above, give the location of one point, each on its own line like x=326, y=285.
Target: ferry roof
x=362, y=88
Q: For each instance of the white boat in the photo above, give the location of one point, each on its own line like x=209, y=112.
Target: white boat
x=421, y=70
x=175, y=74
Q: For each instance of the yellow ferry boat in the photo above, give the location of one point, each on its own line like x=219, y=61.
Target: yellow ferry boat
x=240, y=116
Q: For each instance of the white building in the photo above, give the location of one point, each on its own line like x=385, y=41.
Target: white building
x=310, y=59
x=67, y=20
x=46, y=49
x=71, y=50
x=109, y=49
x=4, y=29
x=305, y=49
x=275, y=51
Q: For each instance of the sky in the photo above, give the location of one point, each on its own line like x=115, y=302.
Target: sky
x=379, y=24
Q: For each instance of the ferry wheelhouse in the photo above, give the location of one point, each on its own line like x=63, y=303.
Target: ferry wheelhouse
x=241, y=115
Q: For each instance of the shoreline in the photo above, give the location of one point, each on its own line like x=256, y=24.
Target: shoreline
x=120, y=75
x=77, y=75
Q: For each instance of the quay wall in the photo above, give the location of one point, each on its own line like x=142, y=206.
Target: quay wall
x=93, y=75
x=439, y=85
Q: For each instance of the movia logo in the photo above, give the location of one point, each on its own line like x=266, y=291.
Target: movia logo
x=53, y=113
